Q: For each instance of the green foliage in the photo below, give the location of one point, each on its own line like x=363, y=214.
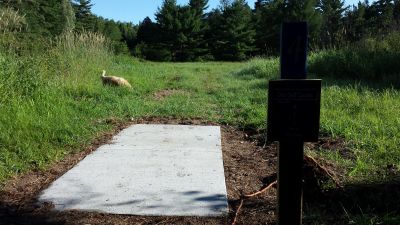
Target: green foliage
x=269, y=15
x=42, y=16
x=11, y=21
x=84, y=17
x=182, y=30
x=195, y=28
x=332, y=23
x=187, y=33
x=69, y=16
x=169, y=24
x=370, y=59
x=268, y=18
x=380, y=16
x=232, y=34
x=148, y=46
x=39, y=120
x=52, y=103
x=355, y=23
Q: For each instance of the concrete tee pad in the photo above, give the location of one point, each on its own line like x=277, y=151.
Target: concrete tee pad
x=162, y=170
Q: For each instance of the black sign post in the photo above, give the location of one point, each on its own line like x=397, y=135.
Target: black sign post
x=293, y=118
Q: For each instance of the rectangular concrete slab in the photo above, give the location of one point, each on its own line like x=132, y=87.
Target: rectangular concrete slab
x=162, y=170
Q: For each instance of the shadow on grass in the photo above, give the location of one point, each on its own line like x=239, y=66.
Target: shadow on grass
x=378, y=85
x=375, y=203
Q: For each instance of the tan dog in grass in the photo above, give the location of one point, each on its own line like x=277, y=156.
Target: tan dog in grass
x=114, y=81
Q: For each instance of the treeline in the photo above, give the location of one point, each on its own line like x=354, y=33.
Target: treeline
x=233, y=31
x=33, y=21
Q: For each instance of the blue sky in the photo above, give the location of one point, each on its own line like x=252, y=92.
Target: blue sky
x=136, y=10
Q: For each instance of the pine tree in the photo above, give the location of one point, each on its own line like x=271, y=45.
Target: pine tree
x=380, y=16
x=194, y=26
x=84, y=17
x=147, y=31
x=305, y=10
x=149, y=44
x=355, y=23
x=169, y=24
x=129, y=35
x=268, y=18
x=332, y=22
x=233, y=34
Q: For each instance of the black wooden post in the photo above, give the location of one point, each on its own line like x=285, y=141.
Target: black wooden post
x=290, y=188
x=293, y=118
x=290, y=156
x=294, y=50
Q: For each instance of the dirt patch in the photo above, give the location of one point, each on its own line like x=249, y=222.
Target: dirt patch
x=249, y=166
x=161, y=95
x=334, y=145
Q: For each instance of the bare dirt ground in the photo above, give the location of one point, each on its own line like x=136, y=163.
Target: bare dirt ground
x=250, y=164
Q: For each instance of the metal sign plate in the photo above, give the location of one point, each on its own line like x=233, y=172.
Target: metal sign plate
x=293, y=110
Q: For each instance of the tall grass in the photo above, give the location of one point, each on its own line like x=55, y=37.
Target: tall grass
x=11, y=21
x=361, y=102
x=370, y=59
x=39, y=122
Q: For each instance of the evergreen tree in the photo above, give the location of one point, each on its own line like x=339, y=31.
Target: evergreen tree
x=355, y=23
x=194, y=26
x=129, y=35
x=332, y=22
x=99, y=24
x=147, y=31
x=84, y=17
x=149, y=45
x=268, y=18
x=169, y=24
x=305, y=10
x=380, y=16
x=213, y=20
x=232, y=31
x=270, y=14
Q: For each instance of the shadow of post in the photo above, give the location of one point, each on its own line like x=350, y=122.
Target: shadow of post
x=356, y=203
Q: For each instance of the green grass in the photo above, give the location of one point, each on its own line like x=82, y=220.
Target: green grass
x=46, y=113
x=369, y=120
x=53, y=103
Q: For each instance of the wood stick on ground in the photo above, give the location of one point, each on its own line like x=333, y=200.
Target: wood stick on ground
x=319, y=166
x=237, y=212
x=273, y=184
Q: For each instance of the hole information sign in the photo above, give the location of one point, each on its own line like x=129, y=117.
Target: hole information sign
x=293, y=118
x=293, y=110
